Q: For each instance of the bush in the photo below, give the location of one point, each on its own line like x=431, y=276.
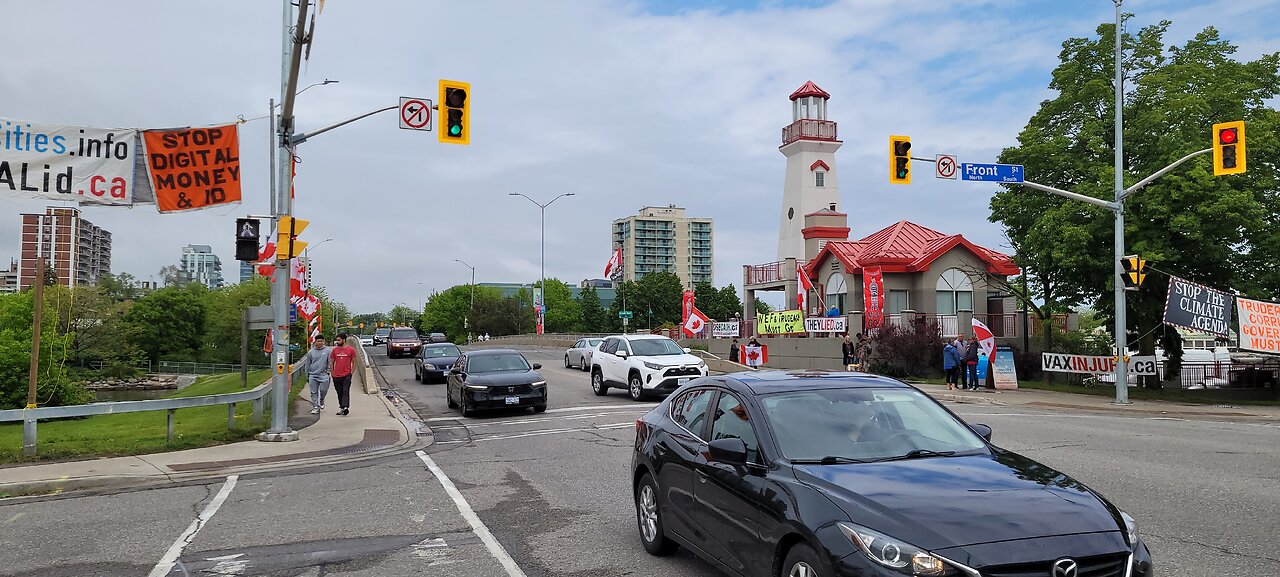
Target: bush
x=911, y=351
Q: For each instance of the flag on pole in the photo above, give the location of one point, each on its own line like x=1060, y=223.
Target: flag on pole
x=614, y=266
x=984, y=336
x=696, y=323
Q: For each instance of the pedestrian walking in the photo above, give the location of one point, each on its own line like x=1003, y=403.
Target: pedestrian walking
x=971, y=362
x=316, y=366
x=342, y=361
x=733, y=350
x=849, y=351
x=951, y=361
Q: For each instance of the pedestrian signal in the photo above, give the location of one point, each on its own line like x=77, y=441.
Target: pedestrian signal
x=247, y=239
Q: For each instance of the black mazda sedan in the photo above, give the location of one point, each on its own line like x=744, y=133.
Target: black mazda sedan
x=495, y=379
x=816, y=474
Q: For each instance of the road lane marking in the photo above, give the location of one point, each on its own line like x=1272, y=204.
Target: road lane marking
x=477, y=526
x=171, y=556
x=530, y=421
x=646, y=408
x=538, y=433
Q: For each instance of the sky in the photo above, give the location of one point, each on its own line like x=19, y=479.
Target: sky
x=625, y=103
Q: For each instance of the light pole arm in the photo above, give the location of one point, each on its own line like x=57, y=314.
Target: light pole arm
x=302, y=137
x=1161, y=172
x=1071, y=195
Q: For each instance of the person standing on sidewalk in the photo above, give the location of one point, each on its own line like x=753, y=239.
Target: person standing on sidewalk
x=971, y=363
x=342, y=359
x=316, y=366
x=733, y=350
x=951, y=363
x=850, y=354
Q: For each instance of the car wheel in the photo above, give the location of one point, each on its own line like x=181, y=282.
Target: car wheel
x=466, y=411
x=566, y=361
x=597, y=384
x=539, y=408
x=449, y=398
x=582, y=365
x=802, y=561
x=636, y=387
x=417, y=375
x=649, y=519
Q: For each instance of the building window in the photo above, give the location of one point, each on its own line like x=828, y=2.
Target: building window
x=837, y=291
x=899, y=300
x=955, y=292
x=819, y=179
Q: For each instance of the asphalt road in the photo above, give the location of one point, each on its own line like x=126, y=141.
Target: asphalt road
x=552, y=491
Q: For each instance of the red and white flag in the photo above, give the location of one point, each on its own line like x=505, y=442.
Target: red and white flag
x=297, y=277
x=308, y=305
x=696, y=323
x=614, y=266
x=984, y=336
x=267, y=255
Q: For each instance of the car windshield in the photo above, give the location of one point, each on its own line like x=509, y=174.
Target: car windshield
x=864, y=424
x=593, y=343
x=655, y=347
x=404, y=334
x=382, y=332
x=440, y=351
x=497, y=363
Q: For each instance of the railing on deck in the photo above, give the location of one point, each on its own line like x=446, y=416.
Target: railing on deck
x=809, y=128
x=765, y=273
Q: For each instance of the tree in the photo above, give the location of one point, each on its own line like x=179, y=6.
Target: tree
x=660, y=291
x=594, y=318
x=169, y=322
x=53, y=387
x=1216, y=231
x=173, y=275
x=120, y=287
x=719, y=304
x=403, y=315
x=94, y=321
x=224, y=310
x=446, y=311
x=563, y=313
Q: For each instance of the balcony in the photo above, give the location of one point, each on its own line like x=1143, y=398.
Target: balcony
x=809, y=129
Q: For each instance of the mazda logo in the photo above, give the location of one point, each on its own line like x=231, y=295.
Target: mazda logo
x=1065, y=568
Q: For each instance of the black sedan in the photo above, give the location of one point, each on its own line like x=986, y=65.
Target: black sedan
x=434, y=361
x=495, y=379
x=820, y=474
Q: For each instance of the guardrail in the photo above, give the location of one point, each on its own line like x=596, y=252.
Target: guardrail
x=260, y=396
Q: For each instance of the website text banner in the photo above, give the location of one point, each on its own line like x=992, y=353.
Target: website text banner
x=826, y=324
x=194, y=168
x=1259, y=325
x=724, y=330
x=1091, y=365
x=68, y=163
x=1197, y=307
x=780, y=323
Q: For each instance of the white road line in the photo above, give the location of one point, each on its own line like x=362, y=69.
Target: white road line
x=537, y=433
x=171, y=556
x=531, y=421
x=477, y=526
x=645, y=408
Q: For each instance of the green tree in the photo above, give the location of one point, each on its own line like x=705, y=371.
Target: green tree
x=224, y=310
x=660, y=291
x=53, y=387
x=403, y=315
x=719, y=304
x=594, y=318
x=94, y=321
x=120, y=287
x=563, y=313
x=1216, y=231
x=448, y=311
x=169, y=322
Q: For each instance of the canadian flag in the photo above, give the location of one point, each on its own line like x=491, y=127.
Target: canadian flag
x=308, y=305
x=696, y=323
x=806, y=285
x=984, y=336
x=297, y=277
x=614, y=265
x=267, y=251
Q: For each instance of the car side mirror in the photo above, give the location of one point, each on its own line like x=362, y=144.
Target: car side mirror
x=983, y=431
x=731, y=451
x=537, y=366
x=622, y=354
x=687, y=351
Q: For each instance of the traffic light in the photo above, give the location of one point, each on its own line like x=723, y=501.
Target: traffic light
x=287, y=245
x=1134, y=272
x=247, y=239
x=1228, y=148
x=456, y=127
x=899, y=160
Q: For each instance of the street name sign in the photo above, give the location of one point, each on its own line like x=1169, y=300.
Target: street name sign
x=624, y=314
x=415, y=113
x=946, y=166
x=991, y=172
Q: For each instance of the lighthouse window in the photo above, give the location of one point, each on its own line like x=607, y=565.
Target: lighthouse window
x=819, y=179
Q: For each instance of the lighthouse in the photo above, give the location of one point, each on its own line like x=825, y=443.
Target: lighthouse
x=810, y=185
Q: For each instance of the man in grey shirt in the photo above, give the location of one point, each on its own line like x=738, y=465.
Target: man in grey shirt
x=316, y=366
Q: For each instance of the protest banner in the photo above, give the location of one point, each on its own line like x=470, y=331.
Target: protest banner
x=780, y=323
x=194, y=168
x=67, y=163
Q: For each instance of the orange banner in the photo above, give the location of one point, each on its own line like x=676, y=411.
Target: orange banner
x=194, y=168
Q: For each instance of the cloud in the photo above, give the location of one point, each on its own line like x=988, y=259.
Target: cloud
x=623, y=103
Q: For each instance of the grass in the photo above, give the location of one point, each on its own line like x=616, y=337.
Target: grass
x=140, y=433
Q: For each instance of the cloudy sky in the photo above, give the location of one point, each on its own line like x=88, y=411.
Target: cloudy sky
x=626, y=103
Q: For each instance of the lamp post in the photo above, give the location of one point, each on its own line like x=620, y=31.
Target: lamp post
x=542, y=290
x=471, y=310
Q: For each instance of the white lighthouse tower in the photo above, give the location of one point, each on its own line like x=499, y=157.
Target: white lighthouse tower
x=810, y=146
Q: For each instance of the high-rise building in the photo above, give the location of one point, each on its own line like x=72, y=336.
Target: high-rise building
x=247, y=270
x=9, y=278
x=199, y=264
x=664, y=239
x=77, y=251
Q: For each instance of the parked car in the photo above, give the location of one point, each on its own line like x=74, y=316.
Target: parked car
x=380, y=335
x=437, y=338
x=403, y=341
x=434, y=361
x=366, y=340
x=579, y=355
x=824, y=474
x=495, y=379
x=644, y=365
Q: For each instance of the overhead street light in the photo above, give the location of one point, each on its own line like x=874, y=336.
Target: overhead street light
x=471, y=310
x=543, y=288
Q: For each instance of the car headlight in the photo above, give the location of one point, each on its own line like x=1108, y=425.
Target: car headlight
x=539, y=384
x=653, y=366
x=1130, y=528
x=899, y=555
x=477, y=387
x=702, y=364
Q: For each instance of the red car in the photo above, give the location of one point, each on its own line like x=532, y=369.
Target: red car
x=403, y=341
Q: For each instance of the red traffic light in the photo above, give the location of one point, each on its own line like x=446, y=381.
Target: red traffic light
x=1227, y=136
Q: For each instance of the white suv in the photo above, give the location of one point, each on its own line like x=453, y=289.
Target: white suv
x=643, y=364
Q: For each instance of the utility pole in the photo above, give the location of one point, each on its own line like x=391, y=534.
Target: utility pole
x=542, y=289
x=1122, y=337
x=471, y=310
x=37, y=319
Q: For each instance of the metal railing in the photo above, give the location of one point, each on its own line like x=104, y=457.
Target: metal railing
x=259, y=395
x=765, y=273
x=191, y=368
x=809, y=128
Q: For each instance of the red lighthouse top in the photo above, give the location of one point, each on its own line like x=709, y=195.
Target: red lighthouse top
x=809, y=89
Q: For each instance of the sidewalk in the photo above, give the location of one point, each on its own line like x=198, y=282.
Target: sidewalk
x=1037, y=399
x=374, y=428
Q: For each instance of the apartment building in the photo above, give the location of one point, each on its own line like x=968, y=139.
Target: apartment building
x=77, y=251
x=665, y=239
x=199, y=264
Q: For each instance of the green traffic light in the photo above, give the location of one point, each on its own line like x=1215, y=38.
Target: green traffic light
x=455, y=130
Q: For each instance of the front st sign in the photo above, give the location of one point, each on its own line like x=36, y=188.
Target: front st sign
x=991, y=172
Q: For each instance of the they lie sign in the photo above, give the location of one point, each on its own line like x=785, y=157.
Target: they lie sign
x=991, y=172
